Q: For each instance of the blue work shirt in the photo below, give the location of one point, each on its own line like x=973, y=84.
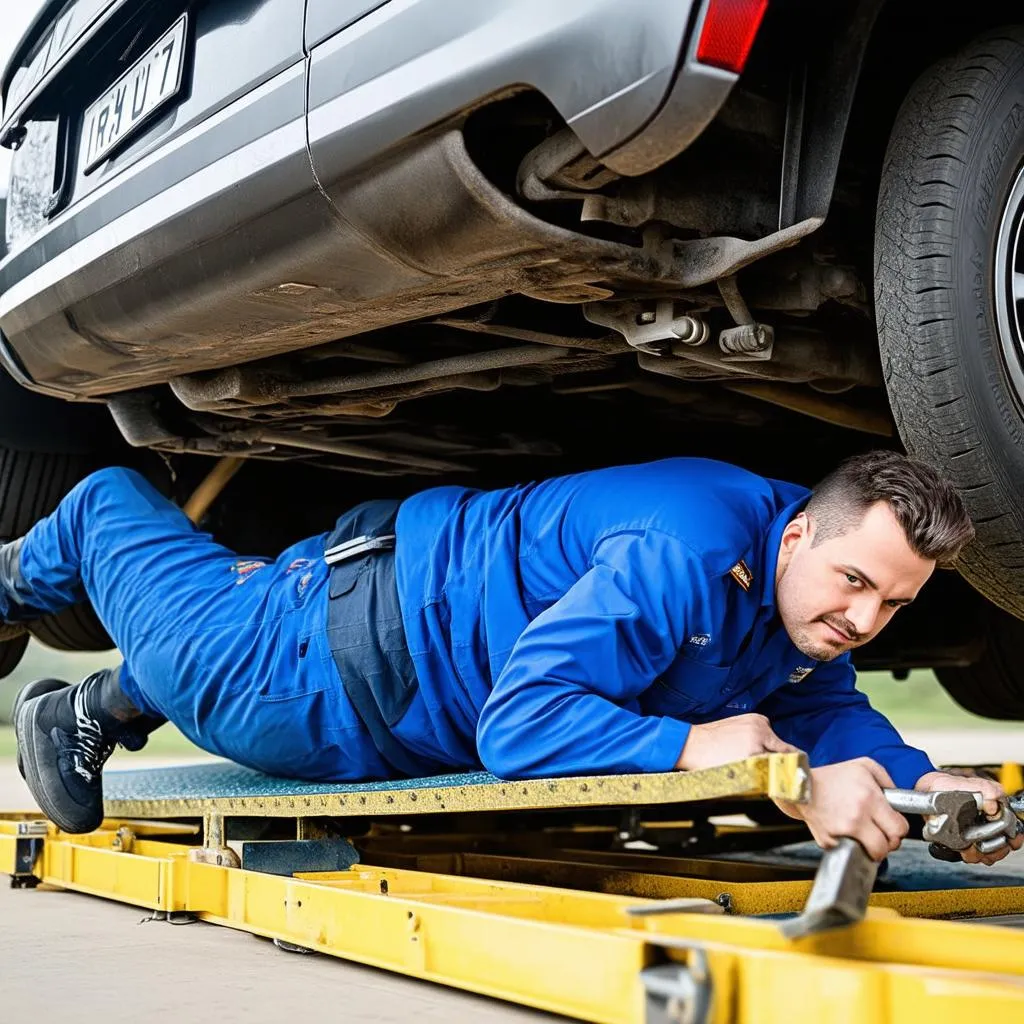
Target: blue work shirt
x=580, y=625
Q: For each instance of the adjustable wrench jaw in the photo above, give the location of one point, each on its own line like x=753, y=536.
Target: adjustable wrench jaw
x=947, y=829
x=953, y=819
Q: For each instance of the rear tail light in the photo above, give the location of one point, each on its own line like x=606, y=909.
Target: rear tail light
x=730, y=28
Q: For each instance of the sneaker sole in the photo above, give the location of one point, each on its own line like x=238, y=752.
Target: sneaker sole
x=34, y=689
x=27, y=735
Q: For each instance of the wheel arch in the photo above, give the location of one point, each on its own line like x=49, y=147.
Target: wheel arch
x=875, y=50
x=37, y=423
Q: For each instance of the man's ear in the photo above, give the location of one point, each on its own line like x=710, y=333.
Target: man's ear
x=795, y=532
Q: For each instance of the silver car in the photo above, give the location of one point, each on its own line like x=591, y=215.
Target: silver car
x=484, y=240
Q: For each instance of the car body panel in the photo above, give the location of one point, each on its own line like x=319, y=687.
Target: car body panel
x=605, y=66
x=273, y=44
x=230, y=151
x=167, y=255
x=326, y=17
x=218, y=73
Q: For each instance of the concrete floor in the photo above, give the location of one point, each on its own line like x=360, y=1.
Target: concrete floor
x=64, y=955
x=69, y=955
x=74, y=957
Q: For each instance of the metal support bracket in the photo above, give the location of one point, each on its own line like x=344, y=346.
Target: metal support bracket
x=28, y=849
x=678, y=993
x=214, y=850
x=288, y=857
x=651, y=329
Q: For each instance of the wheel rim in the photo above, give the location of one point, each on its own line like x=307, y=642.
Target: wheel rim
x=1009, y=288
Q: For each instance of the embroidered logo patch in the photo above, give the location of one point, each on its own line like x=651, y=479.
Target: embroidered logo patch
x=244, y=568
x=741, y=573
x=700, y=639
x=799, y=674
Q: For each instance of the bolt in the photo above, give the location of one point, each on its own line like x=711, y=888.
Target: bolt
x=690, y=330
x=724, y=900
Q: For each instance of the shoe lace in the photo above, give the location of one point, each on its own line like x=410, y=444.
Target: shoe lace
x=90, y=748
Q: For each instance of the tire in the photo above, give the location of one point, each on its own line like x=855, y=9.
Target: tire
x=31, y=486
x=74, y=629
x=954, y=159
x=993, y=686
x=11, y=652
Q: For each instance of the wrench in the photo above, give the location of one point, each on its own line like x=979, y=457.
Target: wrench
x=954, y=821
x=846, y=874
x=951, y=815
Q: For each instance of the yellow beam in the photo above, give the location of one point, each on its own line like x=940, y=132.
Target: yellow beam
x=7, y=847
x=569, y=952
x=1011, y=777
x=754, y=986
x=762, y=895
x=591, y=973
x=139, y=880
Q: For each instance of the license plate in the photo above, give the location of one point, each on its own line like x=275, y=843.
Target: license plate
x=135, y=96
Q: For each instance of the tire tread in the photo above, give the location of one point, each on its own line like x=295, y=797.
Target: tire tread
x=31, y=486
x=926, y=171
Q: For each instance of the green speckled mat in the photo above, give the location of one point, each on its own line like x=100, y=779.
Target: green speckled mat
x=223, y=780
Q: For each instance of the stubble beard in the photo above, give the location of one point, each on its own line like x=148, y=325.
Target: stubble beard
x=803, y=642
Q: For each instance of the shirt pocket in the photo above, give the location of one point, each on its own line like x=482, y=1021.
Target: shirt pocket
x=691, y=685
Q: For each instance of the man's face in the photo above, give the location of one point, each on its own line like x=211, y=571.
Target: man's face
x=837, y=595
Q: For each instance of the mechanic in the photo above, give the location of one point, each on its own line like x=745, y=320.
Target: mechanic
x=674, y=615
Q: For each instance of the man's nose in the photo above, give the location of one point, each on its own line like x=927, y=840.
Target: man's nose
x=863, y=613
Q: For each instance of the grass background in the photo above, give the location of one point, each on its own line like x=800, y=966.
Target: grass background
x=918, y=702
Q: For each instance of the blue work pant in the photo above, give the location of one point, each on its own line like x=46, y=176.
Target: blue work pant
x=232, y=650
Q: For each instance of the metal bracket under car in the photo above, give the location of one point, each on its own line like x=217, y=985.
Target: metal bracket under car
x=650, y=330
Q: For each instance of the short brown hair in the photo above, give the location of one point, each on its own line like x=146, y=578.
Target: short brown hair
x=925, y=504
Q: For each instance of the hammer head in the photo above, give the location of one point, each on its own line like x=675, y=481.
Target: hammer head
x=840, y=894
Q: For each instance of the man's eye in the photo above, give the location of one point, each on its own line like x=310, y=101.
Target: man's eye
x=895, y=605
x=852, y=580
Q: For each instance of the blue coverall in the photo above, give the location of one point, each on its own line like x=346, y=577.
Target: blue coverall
x=576, y=625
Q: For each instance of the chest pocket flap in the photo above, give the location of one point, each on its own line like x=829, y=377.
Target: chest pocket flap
x=693, y=685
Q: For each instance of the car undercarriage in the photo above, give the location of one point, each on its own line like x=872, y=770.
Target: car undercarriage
x=489, y=277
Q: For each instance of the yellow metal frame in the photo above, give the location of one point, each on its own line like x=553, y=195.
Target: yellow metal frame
x=543, y=918
x=577, y=953
x=777, y=776
x=777, y=895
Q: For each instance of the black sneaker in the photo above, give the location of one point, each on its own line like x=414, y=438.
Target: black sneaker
x=27, y=692
x=62, y=749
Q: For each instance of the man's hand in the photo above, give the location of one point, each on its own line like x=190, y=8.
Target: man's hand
x=933, y=782
x=847, y=800
x=731, y=739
